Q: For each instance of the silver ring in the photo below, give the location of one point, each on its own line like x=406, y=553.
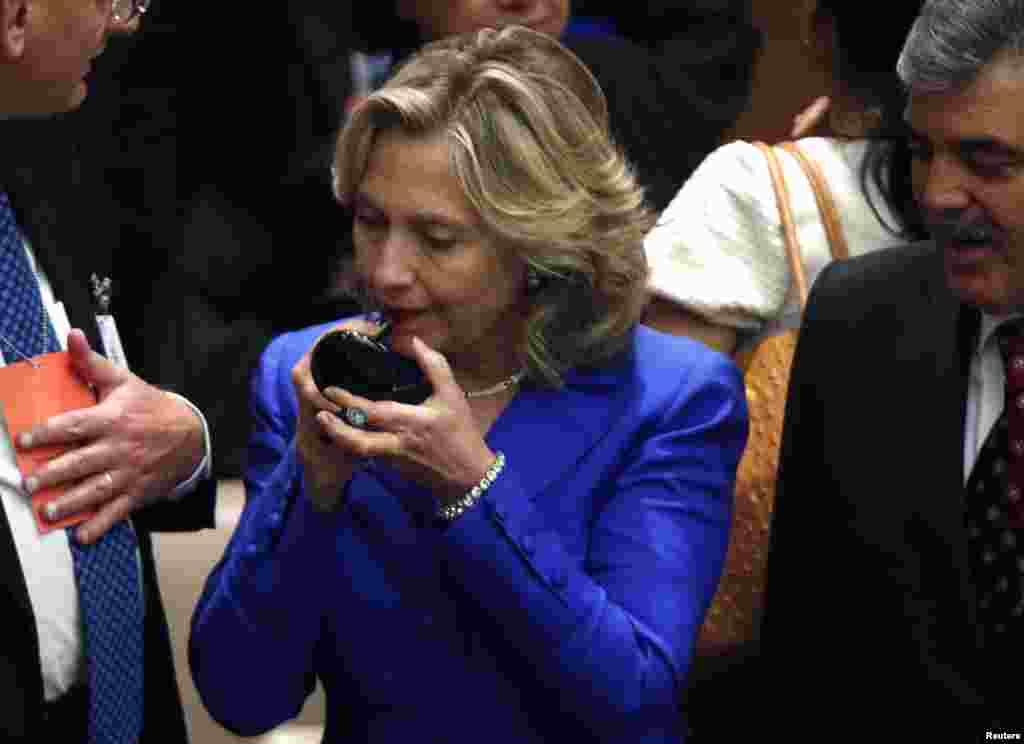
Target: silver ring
x=354, y=417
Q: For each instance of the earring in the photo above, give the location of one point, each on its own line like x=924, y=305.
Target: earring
x=533, y=280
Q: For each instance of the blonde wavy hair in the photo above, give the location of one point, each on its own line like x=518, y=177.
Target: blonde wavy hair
x=527, y=125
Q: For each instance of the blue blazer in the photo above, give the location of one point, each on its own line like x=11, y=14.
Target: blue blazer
x=566, y=603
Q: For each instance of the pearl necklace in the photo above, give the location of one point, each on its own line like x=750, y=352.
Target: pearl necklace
x=499, y=387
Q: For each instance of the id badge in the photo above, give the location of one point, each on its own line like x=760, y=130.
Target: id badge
x=109, y=337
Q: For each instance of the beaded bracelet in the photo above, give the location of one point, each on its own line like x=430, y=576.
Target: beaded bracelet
x=453, y=511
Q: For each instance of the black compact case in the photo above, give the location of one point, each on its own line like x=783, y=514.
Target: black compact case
x=364, y=366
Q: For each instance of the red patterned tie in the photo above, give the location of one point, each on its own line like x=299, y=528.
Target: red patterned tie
x=1011, y=346
x=995, y=508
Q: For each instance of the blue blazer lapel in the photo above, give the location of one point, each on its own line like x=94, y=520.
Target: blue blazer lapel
x=573, y=424
x=543, y=453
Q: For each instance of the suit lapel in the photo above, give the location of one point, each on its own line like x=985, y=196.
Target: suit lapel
x=39, y=225
x=947, y=331
x=57, y=211
x=41, y=176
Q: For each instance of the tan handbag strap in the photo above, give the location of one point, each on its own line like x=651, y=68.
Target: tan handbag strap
x=826, y=204
x=793, y=254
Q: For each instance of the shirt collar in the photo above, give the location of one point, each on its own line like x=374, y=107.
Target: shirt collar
x=989, y=324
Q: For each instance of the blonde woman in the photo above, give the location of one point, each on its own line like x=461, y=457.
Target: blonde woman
x=526, y=556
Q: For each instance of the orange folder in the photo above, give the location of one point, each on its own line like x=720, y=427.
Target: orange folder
x=30, y=393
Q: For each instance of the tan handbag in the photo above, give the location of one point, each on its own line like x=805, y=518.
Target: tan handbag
x=735, y=611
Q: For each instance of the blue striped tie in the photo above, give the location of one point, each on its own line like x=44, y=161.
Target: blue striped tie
x=107, y=571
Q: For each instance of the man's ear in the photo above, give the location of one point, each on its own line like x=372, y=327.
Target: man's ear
x=13, y=23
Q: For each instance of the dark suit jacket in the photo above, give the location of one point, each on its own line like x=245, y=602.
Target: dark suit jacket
x=69, y=226
x=870, y=611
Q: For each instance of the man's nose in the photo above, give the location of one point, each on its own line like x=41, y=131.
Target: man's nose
x=946, y=184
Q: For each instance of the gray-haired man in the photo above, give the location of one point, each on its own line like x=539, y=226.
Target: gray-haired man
x=896, y=566
x=85, y=654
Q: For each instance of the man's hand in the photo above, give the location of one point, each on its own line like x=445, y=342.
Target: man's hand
x=129, y=450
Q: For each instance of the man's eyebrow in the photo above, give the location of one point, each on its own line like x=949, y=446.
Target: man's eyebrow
x=984, y=144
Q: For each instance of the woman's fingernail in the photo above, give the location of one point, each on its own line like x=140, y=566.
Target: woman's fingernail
x=52, y=511
x=31, y=484
x=25, y=439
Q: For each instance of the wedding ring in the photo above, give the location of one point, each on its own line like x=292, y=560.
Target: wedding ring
x=354, y=417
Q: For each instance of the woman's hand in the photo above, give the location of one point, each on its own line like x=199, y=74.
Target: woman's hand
x=437, y=443
x=326, y=468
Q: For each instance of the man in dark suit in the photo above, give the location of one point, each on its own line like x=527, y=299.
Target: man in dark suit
x=139, y=451
x=894, y=600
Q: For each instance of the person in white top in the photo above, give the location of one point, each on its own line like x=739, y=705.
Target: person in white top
x=718, y=264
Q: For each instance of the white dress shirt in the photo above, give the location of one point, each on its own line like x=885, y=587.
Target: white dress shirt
x=46, y=559
x=986, y=388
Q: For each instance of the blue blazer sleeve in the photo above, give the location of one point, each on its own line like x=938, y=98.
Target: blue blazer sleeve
x=263, y=612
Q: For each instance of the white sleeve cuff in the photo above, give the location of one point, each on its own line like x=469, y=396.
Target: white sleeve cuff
x=204, y=468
